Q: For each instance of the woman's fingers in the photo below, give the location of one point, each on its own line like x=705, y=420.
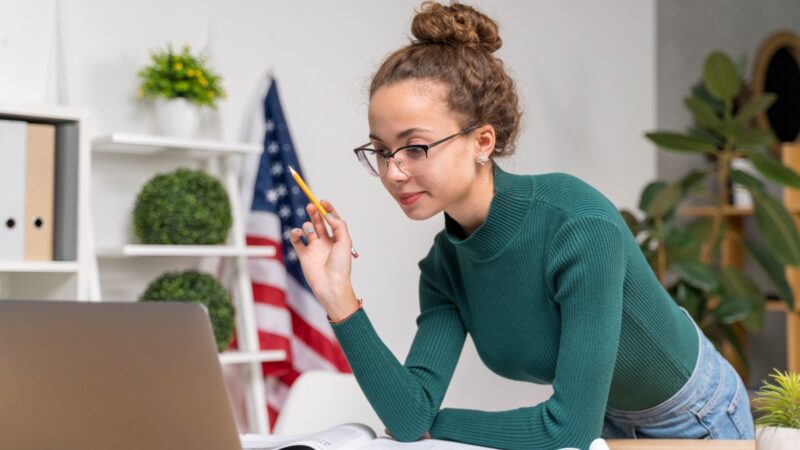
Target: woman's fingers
x=318, y=221
x=297, y=243
x=338, y=225
x=310, y=231
x=329, y=208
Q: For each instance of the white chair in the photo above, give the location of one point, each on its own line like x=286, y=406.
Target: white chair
x=319, y=399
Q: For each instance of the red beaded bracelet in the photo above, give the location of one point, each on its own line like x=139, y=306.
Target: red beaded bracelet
x=360, y=304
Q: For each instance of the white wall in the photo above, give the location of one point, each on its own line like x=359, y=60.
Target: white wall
x=585, y=71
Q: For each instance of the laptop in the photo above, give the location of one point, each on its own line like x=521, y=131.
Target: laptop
x=121, y=376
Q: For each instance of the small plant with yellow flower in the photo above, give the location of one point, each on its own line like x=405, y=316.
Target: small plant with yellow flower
x=180, y=75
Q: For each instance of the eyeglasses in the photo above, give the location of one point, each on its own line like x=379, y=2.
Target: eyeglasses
x=409, y=159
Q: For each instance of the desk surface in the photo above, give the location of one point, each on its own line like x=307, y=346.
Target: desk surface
x=686, y=444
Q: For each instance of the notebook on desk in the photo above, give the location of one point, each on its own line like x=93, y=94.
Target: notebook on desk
x=119, y=376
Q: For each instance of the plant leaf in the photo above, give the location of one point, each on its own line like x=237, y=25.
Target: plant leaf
x=649, y=193
x=709, y=137
x=752, y=139
x=697, y=274
x=720, y=77
x=734, y=308
x=774, y=170
x=699, y=90
x=755, y=107
x=774, y=270
x=702, y=112
x=746, y=180
x=690, y=298
x=681, y=143
x=630, y=220
x=665, y=200
x=692, y=178
x=730, y=335
x=734, y=281
x=755, y=321
x=777, y=227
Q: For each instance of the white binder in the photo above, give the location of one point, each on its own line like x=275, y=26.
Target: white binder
x=13, y=149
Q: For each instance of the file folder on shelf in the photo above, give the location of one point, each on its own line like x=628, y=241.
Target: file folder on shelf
x=65, y=241
x=39, y=192
x=13, y=137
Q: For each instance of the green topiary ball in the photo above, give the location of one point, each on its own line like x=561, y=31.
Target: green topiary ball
x=186, y=206
x=193, y=286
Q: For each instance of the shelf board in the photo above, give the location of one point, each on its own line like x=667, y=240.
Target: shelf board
x=187, y=250
x=145, y=144
x=727, y=211
x=236, y=357
x=776, y=305
x=39, y=113
x=39, y=266
x=709, y=211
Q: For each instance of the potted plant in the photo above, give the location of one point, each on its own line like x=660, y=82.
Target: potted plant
x=685, y=253
x=184, y=207
x=778, y=403
x=193, y=286
x=180, y=83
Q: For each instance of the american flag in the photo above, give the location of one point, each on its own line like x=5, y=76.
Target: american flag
x=288, y=317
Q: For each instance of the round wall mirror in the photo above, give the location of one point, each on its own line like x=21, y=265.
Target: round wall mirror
x=777, y=70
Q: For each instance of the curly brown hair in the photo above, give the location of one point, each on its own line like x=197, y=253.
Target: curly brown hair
x=454, y=45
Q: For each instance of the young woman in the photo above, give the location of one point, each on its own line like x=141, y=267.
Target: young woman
x=540, y=270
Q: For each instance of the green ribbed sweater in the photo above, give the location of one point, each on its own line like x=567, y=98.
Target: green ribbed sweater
x=553, y=289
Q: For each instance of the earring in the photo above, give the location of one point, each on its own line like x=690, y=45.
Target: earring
x=482, y=159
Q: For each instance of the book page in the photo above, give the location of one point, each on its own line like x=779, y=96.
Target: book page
x=385, y=443
x=345, y=436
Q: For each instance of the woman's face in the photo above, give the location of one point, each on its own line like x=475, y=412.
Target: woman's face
x=415, y=112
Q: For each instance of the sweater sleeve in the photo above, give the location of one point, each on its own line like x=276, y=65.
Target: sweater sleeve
x=407, y=397
x=585, y=273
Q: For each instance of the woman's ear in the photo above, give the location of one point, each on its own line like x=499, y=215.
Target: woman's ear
x=485, y=140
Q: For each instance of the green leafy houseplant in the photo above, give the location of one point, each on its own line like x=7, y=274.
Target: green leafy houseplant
x=180, y=75
x=193, y=286
x=778, y=403
x=182, y=207
x=686, y=255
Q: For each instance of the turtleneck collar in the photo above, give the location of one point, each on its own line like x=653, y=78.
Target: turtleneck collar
x=511, y=202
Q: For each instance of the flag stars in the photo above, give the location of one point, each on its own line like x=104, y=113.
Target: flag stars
x=276, y=169
x=270, y=126
x=285, y=211
x=281, y=190
x=273, y=148
x=295, y=190
x=291, y=255
x=287, y=148
x=287, y=232
x=300, y=211
x=271, y=195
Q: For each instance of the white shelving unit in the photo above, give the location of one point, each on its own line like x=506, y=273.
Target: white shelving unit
x=221, y=156
x=187, y=250
x=56, y=280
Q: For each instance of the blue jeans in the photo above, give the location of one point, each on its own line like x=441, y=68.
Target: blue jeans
x=713, y=404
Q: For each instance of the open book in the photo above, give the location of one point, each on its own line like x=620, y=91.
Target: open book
x=348, y=436
x=355, y=436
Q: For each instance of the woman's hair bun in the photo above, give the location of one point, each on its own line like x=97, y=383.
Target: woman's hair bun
x=456, y=24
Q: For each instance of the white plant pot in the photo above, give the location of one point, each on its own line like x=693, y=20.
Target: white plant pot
x=177, y=117
x=741, y=196
x=777, y=438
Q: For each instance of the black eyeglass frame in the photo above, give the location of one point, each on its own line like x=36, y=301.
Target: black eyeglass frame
x=359, y=151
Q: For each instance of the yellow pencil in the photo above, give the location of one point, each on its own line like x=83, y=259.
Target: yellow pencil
x=313, y=199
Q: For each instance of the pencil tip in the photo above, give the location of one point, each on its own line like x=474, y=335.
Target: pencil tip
x=291, y=169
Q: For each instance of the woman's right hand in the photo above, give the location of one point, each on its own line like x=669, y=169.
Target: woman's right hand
x=326, y=260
